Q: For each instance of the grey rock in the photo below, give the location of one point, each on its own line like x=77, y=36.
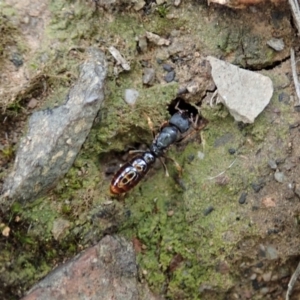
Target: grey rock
x=257, y=186
x=139, y=4
x=32, y=103
x=17, y=59
x=272, y=164
x=55, y=136
x=167, y=67
x=271, y=252
x=276, y=44
x=149, y=76
x=143, y=43
x=243, y=92
x=243, y=198
x=279, y=176
x=170, y=76
x=193, y=87
x=130, y=96
x=284, y=97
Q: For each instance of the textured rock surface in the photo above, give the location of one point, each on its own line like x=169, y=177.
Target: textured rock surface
x=244, y=93
x=105, y=271
x=55, y=136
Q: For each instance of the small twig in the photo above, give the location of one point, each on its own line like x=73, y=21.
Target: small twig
x=296, y=12
x=292, y=282
x=211, y=178
x=295, y=76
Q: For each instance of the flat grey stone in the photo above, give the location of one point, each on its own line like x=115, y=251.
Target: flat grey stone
x=244, y=93
x=276, y=44
x=56, y=135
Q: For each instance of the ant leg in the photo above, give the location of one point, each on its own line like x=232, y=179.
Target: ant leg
x=177, y=165
x=136, y=151
x=150, y=124
x=177, y=107
x=165, y=167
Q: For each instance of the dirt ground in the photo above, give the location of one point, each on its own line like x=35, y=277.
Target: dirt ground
x=233, y=219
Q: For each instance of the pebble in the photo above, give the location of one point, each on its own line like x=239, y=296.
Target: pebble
x=149, y=76
x=143, y=43
x=231, y=151
x=32, y=103
x=264, y=290
x=284, y=98
x=276, y=44
x=267, y=276
x=272, y=164
x=139, y=4
x=170, y=213
x=253, y=276
x=200, y=155
x=193, y=87
x=130, y=96
x=257, y=187
x=243, y=198
x=16, y=59
x=5, y=231
x=208, y=210
x=271, y=252
x=170, y=76
x=279, y=176
x=167, y=67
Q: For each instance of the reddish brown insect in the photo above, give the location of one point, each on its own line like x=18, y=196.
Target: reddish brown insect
x=131, y=173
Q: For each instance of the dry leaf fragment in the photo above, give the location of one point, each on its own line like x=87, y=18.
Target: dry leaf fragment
x=268, y=202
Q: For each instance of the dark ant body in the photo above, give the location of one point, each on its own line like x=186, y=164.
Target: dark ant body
x=131, y=173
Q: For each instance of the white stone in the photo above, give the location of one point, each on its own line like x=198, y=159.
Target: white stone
x=244, y=93
x=130, y=96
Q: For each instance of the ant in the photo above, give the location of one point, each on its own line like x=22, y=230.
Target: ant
x=173, y=131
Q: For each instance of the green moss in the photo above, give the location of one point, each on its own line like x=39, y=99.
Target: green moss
x=166, y=217
x=122, y=125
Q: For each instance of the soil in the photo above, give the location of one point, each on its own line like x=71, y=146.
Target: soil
x=229, y=228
